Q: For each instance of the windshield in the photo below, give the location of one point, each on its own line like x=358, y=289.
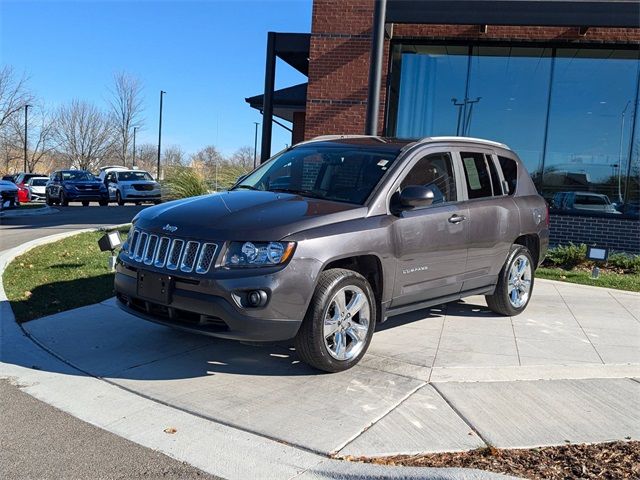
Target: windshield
x=340, y=173
x=39, y=182
x=130, y=176
x=79, y=175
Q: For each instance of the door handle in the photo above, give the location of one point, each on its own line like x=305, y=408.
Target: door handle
x=457, y=218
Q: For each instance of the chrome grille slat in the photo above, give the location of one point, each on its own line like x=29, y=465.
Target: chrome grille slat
x=142, y=243
x=163, y=250
x=175, y=253
x=207, y=253
x=150, y=250
x=189, y=256
x=170, y=252
x=134, y=243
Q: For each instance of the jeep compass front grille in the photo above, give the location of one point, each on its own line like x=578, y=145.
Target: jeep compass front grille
x=170, y=253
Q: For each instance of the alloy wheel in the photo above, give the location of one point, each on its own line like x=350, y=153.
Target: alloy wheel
x=519, y=281
x=346, y=323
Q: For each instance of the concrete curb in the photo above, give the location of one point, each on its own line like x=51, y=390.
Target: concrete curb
x=46, y=210
x=142, y=420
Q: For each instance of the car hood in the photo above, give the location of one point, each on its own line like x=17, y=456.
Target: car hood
x=91, y=183
x=7, y=186
x=245, y=215
x=138, y=182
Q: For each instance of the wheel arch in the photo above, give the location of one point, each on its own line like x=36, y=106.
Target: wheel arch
x=370, y=267
x=532, y=242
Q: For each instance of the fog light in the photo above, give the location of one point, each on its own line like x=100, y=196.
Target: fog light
x=254, y=298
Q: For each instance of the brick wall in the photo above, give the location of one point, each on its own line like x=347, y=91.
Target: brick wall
x=622, y=235
x=340, y=49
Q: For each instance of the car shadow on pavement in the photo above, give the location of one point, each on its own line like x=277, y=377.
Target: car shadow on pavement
x=104, y=341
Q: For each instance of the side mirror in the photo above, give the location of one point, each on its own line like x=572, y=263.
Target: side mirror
x=413, y=196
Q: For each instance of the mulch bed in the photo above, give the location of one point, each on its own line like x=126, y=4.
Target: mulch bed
x=600, y=461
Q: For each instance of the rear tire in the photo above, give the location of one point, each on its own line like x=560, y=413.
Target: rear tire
x=515, y=283
x=339, y=323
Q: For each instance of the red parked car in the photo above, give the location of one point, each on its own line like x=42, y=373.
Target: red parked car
x=21, y=180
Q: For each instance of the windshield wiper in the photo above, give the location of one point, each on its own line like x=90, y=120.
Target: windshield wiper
x=304, y=193
x=248, y=187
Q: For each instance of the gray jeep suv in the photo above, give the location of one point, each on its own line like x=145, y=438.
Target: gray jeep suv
x=334, y=235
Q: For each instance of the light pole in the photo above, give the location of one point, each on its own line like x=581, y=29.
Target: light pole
x=162, y=92
x=624, y=112
x=26, y=109
x=133, y=164
x=255, y=144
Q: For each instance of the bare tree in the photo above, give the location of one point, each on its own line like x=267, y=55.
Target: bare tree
x=147, y=157
x=243, y=157
x=13, y=94
x=83, y=133
x=126, y=111
x=173, y=155
x=207, y=160
x=40, y=143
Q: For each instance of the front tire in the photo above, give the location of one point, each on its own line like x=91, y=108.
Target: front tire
x=47, y=199
x=339, y=323
x=515, y=283
x=119, y=199
x=63, y=200
x=85, y=204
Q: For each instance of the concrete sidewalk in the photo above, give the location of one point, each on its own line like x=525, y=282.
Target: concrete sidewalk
x=451, y=378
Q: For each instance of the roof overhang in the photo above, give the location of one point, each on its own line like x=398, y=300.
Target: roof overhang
x=578, y=13
x=293, y=48
x=286, y=101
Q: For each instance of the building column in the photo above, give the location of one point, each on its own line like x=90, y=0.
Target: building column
x=269, y=85
x=375, y=67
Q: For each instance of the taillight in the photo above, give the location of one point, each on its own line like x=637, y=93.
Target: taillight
x=547, y=221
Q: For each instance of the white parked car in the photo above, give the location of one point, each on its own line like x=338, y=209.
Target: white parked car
x=104, y=171
x=132, y=186
x=8, y=194
x=37, y=187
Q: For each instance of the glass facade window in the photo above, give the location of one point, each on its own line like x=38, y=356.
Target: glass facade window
x=569, y=113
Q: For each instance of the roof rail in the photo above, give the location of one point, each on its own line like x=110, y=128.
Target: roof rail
x=462, y=139
x=324, y=138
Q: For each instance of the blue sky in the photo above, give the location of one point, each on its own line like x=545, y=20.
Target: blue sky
x=208, y=55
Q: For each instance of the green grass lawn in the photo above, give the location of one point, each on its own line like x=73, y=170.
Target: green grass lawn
x=59, y=276
x=628, y=281
x=29, y=206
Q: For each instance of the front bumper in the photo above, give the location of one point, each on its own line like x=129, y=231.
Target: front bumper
x=141, y=195
x=206, y=306
x=78, y=195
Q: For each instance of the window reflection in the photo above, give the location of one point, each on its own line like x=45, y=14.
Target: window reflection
x=513, y=86
x=579, y=103
x=590, y=122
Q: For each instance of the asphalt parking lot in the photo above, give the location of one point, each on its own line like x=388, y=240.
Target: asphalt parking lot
x=18, y=230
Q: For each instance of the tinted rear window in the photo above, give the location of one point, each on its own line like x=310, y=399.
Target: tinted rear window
x=509, y=172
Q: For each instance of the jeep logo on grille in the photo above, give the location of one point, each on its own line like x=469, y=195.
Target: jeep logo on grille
x=170, y=228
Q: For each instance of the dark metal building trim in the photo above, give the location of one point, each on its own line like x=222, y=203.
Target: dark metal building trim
x=292, y=48
x=375, y=67
x=561, y=13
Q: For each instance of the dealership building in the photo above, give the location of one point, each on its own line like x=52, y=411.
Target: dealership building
x=558, y=81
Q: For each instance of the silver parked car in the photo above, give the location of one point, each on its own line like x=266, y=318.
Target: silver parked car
x=132, y=186
x=332, y=236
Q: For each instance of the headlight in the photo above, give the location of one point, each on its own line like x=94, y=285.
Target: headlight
x=258, y=254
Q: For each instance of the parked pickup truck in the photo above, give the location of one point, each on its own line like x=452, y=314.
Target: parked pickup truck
x=334, y=235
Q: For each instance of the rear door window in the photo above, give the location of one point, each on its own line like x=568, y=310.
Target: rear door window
x=434, y=171
x=478, y=175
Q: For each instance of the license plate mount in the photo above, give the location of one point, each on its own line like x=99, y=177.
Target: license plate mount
x=155, y=287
